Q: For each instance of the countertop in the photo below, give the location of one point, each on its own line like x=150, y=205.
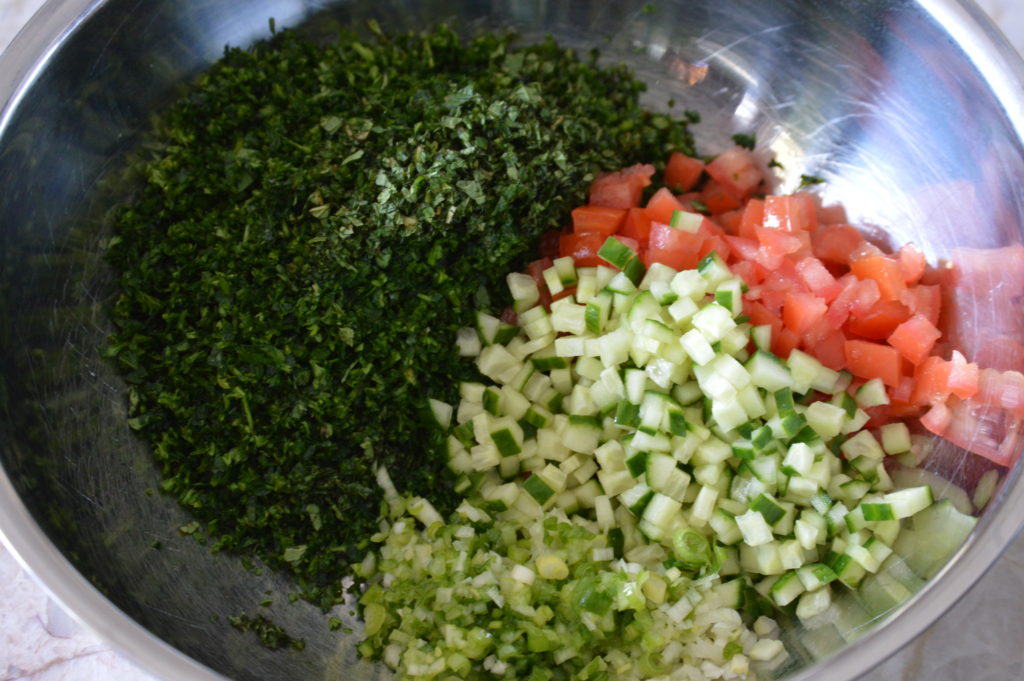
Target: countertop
x=980, y=639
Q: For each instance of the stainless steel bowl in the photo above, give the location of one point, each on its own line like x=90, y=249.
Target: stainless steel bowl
x=913, y=112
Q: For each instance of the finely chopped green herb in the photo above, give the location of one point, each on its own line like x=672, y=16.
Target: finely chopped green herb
x=315, y=223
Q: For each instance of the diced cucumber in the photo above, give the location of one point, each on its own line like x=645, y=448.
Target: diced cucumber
x=714, y=270
x=872, y=394
x=938, y=531
x=786, y=589
x=754, y=528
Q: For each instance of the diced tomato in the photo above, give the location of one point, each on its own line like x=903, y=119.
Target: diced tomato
x=730, y=222
x=509, y=316
x=784, y=342
x=914, y=338
x=831, y=350
x=621, y=189
x=751, y=273
x=682, y=172
x=597, y=219
x=719, y=198
x=662, y=205
x=878, y=416
x=801, y=311
x=637, y=225
x=716, y=244
x=873, y=360
x=880, y=321
x=924, y=300
x=937, y=419
x=882, y=269
x=777, y=242
x=743, y=248
x=668, y=238
x=835, y=243
x=912, y=264
x=753, y=216
x=931, y=381
x=818, y=279
x=964, y=377
x=832, y=214
x=583, y=248
x=792, y=213
x=867, y=296
x=675, y=258
x=736, y=170
x=810, y=338
x=762, y=316
x=564, y=293
x=903, y=391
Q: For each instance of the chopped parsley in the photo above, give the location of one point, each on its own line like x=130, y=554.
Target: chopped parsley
x=313, y=225
x=809, y=181
x=747, y=141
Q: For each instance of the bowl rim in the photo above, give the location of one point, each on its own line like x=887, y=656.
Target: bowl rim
x=982, y=43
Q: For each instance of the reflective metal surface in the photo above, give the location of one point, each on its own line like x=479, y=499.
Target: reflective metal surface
x=913, y=112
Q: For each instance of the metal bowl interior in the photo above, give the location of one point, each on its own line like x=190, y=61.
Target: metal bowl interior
x=912, y=112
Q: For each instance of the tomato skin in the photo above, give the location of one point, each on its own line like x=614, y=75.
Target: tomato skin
x=682, y=172
x=622, y=189
x=736, y=170
x=914, y=338
x=873, y=360
x=583, y=248
x=599, y=219
x=637, y=225
x=664, y=237
x=662, y=205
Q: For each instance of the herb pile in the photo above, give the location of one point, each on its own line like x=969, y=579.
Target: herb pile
x=314, y=224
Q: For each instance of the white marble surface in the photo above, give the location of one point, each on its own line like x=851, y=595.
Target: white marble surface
x=981, y=639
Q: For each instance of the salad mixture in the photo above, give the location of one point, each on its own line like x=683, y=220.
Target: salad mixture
x=691, y=421
x=691, y=446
